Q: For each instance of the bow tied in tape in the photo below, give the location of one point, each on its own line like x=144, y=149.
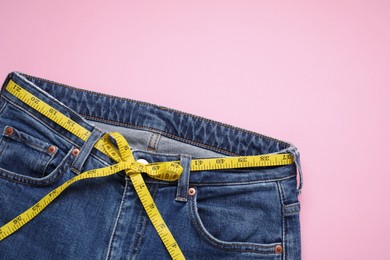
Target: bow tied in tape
x=167, y=171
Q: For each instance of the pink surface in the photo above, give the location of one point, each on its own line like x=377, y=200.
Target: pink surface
x=316, y=74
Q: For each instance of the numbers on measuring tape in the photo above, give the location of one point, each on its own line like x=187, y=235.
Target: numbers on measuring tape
x=198, y=162
x=37, y=206
x=219, y=161
x=17, y=88
x=35, y=100
x=52, y=111
x=155, y=168
x=17, y=220
x=52, y=193
x=70, y=122
x=175, y=165
x=242, y=159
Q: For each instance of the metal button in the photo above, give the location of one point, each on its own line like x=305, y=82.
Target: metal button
x=9, y=130
x=278, y=249
x=191, y=191
x=51, y=149
x=75, y=151
x=143, y=161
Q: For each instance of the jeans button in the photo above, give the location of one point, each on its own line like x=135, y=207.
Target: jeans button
x=191, y=191
x=143, y=161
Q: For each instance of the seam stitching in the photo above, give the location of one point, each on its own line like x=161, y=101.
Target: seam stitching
x=110, y=245
x=282, y=198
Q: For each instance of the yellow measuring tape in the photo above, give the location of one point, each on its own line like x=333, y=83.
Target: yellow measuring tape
x=168, y=171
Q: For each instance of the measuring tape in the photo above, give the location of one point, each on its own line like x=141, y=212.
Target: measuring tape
x=168, y=171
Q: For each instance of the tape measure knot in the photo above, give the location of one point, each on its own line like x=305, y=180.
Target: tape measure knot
x=168, y=171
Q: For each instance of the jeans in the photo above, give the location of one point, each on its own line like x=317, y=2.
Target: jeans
x=237, y=213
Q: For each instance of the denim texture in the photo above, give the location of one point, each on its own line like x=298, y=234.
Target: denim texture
x=244, y=213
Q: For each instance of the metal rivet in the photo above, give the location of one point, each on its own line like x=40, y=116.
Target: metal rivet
x=75, y=151
x=51, y=149
x=278, y=249
x=191, y=191
x=9, y=130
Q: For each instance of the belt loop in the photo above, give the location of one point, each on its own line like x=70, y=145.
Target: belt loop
x=297, y=160
x=184, y=180
x=86, y=150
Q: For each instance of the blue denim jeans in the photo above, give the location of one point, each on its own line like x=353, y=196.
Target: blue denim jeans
x=242, y=213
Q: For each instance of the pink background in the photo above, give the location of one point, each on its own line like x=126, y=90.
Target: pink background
x=316, y=74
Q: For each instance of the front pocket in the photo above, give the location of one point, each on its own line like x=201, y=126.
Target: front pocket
x=25, y=158
x=241, y=218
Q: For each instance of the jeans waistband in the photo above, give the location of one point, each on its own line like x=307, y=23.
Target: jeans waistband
x=82, y=105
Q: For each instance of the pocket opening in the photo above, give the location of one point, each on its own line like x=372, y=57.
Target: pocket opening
x=25, y=158
x=267, y=240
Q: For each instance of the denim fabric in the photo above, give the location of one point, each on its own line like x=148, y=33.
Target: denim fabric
x=246, y=213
